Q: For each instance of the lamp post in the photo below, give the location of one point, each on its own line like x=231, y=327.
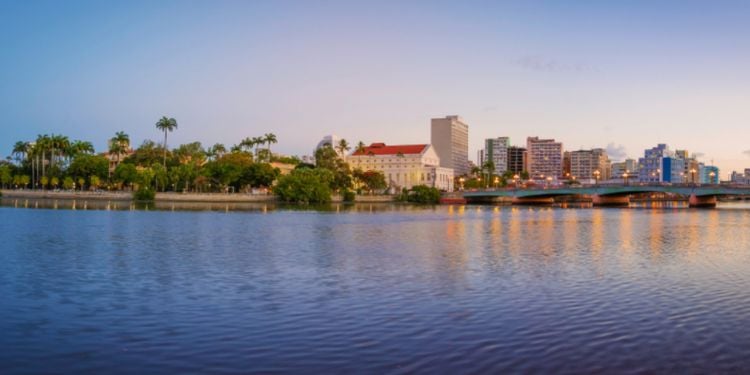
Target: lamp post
x=658, y=175
x=461, y=182
x=549, y=180
x=596, y=177
x=712, y=175
x=515, y=179
x=625, y=177
x=497, y=180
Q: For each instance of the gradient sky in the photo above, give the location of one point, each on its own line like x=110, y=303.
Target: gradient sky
x=626, y=74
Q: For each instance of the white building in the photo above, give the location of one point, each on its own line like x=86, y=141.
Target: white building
x=331, y=140
x=544, y=158
x=404, y=166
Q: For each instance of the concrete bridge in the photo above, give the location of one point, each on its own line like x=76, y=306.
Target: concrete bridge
x=608, y=195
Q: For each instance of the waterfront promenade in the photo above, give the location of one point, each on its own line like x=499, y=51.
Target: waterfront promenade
x=170, y=197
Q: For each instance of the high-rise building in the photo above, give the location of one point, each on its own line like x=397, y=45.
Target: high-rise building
x=587, y=165
x=450, y=137
x=544, y=158
x=516, y=159
x=496, y=150
x=741, y=178
x=660, y=164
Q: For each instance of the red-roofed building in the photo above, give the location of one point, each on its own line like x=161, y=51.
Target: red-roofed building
x=404, y=166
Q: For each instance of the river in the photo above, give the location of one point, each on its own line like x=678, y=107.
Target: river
x=374, y=289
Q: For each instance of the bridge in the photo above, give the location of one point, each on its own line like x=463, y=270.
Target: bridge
x=608, y=195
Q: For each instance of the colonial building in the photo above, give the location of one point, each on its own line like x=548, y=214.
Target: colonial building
x=404, y=166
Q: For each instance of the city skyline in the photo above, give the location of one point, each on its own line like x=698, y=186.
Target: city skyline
x=616, y=76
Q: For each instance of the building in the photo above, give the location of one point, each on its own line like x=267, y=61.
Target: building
x=589, y=165
x=709, y=174
x=404, y=166
x=331, y=140
x=450, y=138
x=516, y=159
x=660, y=164
x=544, y=158
x=619, y=169
x=741, y=178
x=496, y=150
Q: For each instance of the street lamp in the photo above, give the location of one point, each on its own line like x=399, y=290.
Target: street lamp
x=712, y=175
x=461, y=182
x=515, y=179
x=596, y=176
x=625, y=177
x=497, y=180
x=692, y=173
x=549, y=180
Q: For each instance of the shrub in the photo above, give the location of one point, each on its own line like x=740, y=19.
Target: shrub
x=305, y=186
x=421, y=194
x=144, y=194
x=348, y=196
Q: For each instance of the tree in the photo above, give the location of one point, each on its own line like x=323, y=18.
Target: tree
x=119, y=144
x=361, y=147
x=305, y=186
x=327, y=158
x=20, y=150
x=44, y=181
x=94, y=182
x=259, y=175
x=54, y=181
x=371, y=180
x=84, y=166
x=166, y=125
x=126, y=174
x=6, y=176
x=270, y=138
x=421, y=194
x=343, y=147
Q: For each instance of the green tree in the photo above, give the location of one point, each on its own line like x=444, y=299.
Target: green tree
x=270, y=138
x=370, y=180
x=259, y=175
x=126, y=174
x=68, y=183
x=94, y=182
x=84, y=166
x=421, y=194
x=6, y=176
x=167, y=125
x=343, y=147
x=44, y=181
x=54, y=181
x=327, y=158
x=305, y=186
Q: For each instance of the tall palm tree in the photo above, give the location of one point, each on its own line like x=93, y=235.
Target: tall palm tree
x=270, y=138
x=257, y=141
x=342, y=147
x=166, y=124
x=20, y=150
x=119, y=144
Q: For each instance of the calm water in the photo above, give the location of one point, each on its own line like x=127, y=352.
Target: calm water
x=371, y=290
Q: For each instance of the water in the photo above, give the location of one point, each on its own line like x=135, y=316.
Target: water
x=389, y=289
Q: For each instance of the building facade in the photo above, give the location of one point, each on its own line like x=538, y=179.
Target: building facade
x=404, y=166
x=544, y=158
x=709, y=174
x=589, y=165
x=660, y=164
x=496, y=150
x=450, y=139
x=516, y=160
x=619, y=169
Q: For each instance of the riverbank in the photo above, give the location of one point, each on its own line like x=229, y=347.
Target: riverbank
x=171, y=197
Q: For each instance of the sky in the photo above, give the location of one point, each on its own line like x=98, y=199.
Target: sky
x=625, y=75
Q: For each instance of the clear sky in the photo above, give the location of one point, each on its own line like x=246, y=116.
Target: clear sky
x=625, y=74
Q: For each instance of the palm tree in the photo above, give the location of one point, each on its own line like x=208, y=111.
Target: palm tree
x=342, y=147
x=248, y=143
x=166, y=125
x=21, y=148
x=218, y=150
x=119, y=144
x=361, y=147
x=270, y=138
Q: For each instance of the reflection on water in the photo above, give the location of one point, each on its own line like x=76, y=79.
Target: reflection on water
x=374, y=288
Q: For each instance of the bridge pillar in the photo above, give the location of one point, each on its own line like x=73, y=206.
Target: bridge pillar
x=533, y=200
x=708, y=201
x=610, y=200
